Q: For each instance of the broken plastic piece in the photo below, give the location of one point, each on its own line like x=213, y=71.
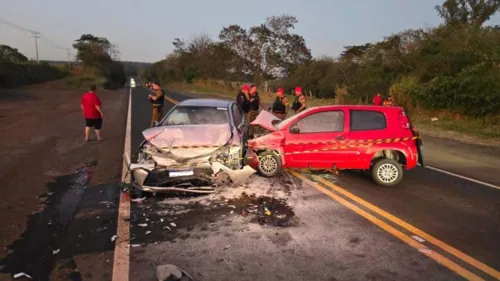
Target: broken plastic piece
x=113, y=238
x=143, y=224
x=56, y=251
x=173, y=224
x=21, y=274
x=139, y=199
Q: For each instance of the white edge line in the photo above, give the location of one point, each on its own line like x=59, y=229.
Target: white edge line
x=121, y=260
x=462, y=177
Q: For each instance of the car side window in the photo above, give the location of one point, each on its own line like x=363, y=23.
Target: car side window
x=367, y=120
x=322, y=122
x=237, y=115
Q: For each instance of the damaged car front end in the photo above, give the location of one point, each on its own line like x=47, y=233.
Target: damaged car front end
x=185, y=156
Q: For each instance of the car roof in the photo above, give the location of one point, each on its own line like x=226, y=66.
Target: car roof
x=356, y=107
x=206, y=102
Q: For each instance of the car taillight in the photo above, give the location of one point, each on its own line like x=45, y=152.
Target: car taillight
x=404, y=121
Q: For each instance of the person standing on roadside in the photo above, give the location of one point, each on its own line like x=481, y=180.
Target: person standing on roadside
x=157, y=100
x=388, y=101
x=242, y=99
x=300, y=102
x=92, y=112
x=280, y=105
x=377, y=100
x=254, y=103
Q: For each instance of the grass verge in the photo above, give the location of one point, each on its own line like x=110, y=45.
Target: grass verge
x=468, y=130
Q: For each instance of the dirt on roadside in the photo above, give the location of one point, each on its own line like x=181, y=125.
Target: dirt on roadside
x=42, y=138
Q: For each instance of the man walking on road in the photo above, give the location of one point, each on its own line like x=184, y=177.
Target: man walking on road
x=92, y=112
x=157, y=101
x=280, y=105
x=300, y=103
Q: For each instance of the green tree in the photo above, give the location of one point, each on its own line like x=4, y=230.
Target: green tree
x=268, y=50
x=7, y=53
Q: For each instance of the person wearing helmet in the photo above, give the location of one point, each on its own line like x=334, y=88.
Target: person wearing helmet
x=280, y=105
x=300, y=102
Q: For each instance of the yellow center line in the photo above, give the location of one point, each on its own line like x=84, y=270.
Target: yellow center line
x=431, y=239
x=396, y=233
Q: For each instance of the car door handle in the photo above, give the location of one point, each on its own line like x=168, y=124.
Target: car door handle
x=340, y=138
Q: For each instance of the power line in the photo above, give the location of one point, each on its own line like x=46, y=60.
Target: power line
x=15, y=26
x=36, y=35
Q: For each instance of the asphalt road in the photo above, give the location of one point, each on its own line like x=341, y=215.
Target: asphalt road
x=332, y=242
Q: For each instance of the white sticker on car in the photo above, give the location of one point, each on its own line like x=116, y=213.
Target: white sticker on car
x=174, y=174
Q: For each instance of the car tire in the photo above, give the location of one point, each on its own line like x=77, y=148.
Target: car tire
x=387, y=172
x=269, y=164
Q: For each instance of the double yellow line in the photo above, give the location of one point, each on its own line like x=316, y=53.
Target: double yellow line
x=400, y=235
x=397, y=233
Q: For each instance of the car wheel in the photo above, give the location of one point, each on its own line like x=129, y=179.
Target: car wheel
x=387, y=172
x=269, y=164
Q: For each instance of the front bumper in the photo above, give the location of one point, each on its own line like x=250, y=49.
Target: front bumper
x=146, y=178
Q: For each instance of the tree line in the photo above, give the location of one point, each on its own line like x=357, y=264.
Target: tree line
x=452, y=67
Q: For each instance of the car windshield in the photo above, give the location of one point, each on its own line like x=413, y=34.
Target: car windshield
x=196, y=115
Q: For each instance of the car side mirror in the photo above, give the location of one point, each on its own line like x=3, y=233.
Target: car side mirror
x=156, y=123
x=295, y=130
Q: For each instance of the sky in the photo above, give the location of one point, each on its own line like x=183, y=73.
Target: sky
x=144, y=30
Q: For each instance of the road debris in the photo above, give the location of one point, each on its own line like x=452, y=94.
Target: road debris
x=148, y=232
x=168, y=272
x=418, y=238
x=135, y=245
x=173, y=224
x=21, y=274
x=227, y=247
x=138, y=200
x=143, y=225
x=113, y=238
x=56, y=252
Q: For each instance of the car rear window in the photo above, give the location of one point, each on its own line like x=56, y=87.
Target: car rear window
x=322, y=122
x=196, y=115
x=367, y=120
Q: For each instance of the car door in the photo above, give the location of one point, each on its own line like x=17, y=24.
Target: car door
x=364, y=125
x=310, y=141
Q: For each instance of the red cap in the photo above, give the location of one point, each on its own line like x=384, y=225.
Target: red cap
x=298, y=89
x=245, y=87
x=281, y=90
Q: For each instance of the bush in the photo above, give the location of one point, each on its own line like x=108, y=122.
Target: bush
x=474, y=92
x=402, y=92
x=20, y=74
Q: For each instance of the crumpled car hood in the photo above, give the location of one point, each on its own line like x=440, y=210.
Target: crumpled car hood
x=265, y=119
x=189, y=141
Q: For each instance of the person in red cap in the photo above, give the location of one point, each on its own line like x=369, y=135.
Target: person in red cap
x=242, y=99
x=280, y=105
x=377, y=100
x=300, y=103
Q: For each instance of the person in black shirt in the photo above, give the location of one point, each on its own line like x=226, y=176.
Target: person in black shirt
x=280, y=105
x=242, y=99
x=254, y=104
x=300, y=103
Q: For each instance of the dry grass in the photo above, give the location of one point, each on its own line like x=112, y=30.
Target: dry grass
x=469, y=130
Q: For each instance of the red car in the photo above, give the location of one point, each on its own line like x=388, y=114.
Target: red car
x=345, y=137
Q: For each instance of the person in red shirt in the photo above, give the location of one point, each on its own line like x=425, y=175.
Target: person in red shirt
x=92, y=112
x=377, y=100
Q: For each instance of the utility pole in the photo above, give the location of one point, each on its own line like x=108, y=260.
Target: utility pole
x=69, y=64
x=36, y=36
